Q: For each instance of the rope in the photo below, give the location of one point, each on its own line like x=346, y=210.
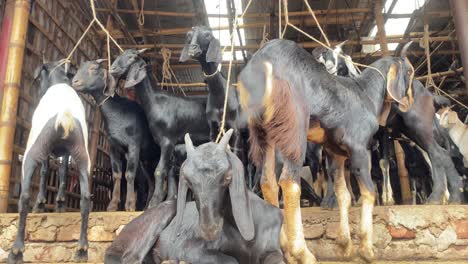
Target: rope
x=316, y=21
x=228, y=82
x=141, y=16
x=167, y=72
x=265, y=36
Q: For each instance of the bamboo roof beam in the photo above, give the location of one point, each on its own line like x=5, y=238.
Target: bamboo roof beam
x=308, y=44
x=248, y=15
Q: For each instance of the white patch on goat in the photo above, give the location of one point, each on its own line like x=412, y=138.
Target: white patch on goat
x=61, y=100
x=269, y=78
x=351, y=68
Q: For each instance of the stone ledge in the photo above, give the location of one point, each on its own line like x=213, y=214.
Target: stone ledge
x=401, y=233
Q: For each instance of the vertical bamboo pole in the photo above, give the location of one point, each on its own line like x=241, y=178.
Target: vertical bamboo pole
x=4, y=40
x=460, y=15
x=379, y=20
x=10, y=95
x=406, y=195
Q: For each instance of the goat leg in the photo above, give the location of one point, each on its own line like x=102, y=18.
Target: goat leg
x=130, y=173
x=117, y=176
x=160, y=174
x=360, y=167
x=60, y=200
x=82, y=159
x=337, y=171
x=16, y=253
x=291, y=188
x=39, y=207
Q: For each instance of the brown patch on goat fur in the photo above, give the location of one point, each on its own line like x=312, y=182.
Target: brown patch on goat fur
x=279, y=125
x=316, y=133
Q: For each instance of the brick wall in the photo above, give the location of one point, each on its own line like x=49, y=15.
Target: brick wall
x=400, y=233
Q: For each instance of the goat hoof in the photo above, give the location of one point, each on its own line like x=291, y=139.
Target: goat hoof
x=81, y=255
x=60, y=206
x=346, y=245
x=329, y=203
x=366, y=254
x=15, y=257
x=112, y=207
x=38, y=208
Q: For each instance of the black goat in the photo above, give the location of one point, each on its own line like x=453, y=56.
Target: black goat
x=58, y=128
x=169, y=116
x=201, y=45
x=292, y=99
x=125, y=124
x=225, y=224
x=420, y=125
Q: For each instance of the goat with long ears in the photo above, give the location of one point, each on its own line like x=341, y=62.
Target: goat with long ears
x=291, y=99
x=226, y=223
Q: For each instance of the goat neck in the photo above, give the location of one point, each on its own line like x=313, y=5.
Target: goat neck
x=145, y=93
x=56, y=77
x=373, y=86
x=215, y=80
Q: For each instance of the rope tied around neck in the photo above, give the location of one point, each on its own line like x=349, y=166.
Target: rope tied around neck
x=218, y=70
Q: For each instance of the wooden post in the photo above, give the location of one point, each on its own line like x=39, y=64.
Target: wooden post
x=10, y=95
x=4, y=41
x=406, y=195
x=460, y=15
x=379, y=20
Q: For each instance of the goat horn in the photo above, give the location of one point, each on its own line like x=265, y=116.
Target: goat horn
x=341, y=44
x=225, y=139
x=142, y=50
x=188, y=144
x=101, y=60
x=405, y=49
x=44, y=59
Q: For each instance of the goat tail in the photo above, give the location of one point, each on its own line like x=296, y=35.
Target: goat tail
x=65, y=120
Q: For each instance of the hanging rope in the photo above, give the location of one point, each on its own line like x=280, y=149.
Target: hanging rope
x=228, y=82
x=109, y=38
x=265, y=36
x=167, y=72
x=141, y=16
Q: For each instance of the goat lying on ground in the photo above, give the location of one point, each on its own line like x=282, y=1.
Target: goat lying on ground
x=58, y=127
x=200, y=44
x=292, y=99
x=225, y=224
x=419, y=124
x=169, y=116
x=458, y=132
x=126, y=125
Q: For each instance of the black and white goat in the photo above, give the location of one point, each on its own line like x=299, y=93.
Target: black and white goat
x=126, y=125
x=225, y=224
x=334, y=63
x=58, y=128
x=169, y=116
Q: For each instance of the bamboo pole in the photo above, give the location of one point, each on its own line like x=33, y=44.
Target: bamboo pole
x=4, y=40
x=10, y=97
x=406, y=195
x=379, y=20
x=441, y=74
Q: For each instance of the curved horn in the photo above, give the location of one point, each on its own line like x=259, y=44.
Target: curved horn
x=44, y=59
x=101, y=60
x=405, y=49
x=341, y=44
x=188, y=144
x=142, y=50
x=225, y=139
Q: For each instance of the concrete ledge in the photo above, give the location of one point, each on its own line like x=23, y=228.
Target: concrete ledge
x=401, y=233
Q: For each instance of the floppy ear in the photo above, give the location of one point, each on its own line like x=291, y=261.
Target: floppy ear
x=396, y=87
x=110, y=84
x=240, y=201
x=135, y=75
x=214, y=51
x=181, y=200
x=184, y=54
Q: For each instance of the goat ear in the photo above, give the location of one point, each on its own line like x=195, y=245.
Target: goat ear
x=184, y=54
x=396, y=87
x=135, y=75
x=181, y=200
x=240, y=202
x=214, y=51
x=110, y=84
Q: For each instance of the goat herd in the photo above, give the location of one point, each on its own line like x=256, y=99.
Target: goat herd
x=291, y=108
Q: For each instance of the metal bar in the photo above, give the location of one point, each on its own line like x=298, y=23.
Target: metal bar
x=11, y=93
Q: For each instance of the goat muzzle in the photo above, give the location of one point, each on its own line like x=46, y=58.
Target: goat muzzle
x=211, y=232
x=194, y=50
